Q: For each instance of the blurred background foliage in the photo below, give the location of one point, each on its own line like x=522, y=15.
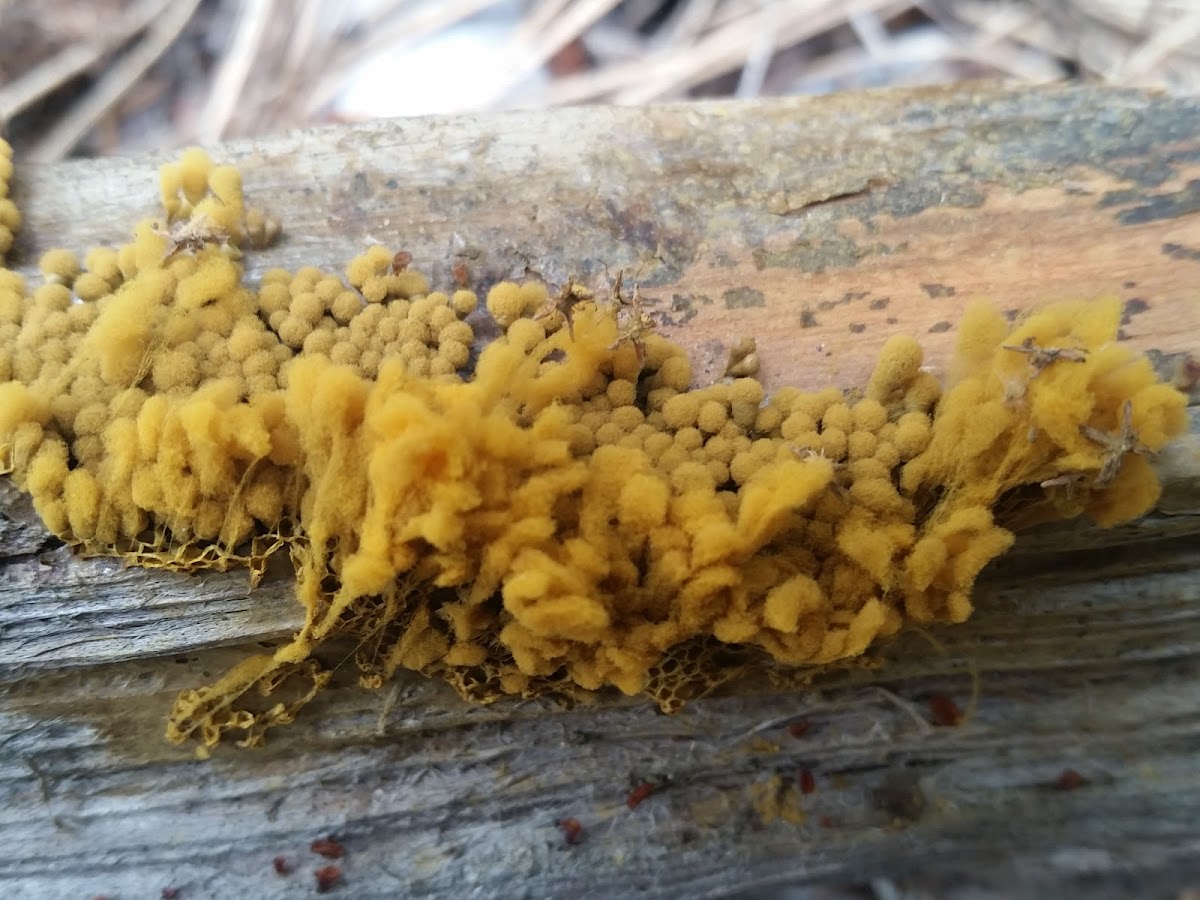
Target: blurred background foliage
x=93, y=77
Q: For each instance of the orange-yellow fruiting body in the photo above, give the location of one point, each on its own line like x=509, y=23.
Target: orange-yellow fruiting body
x=10, y=216
x=568, y=516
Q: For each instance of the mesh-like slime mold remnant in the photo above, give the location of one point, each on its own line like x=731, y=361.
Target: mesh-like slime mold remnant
x=569, y=515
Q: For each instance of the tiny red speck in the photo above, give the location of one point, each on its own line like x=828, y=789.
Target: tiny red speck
x=808, y=783
x=826, y=821
x=799, y=729
x=328, y=877
x=461, y=277
x=945, y=711
x=282, y=867
x=328, y=848
x=1069, y=780
x=572, y=830
x=639, y=793
x=170, y=893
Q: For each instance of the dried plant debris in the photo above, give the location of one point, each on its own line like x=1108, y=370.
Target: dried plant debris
x=161, y=73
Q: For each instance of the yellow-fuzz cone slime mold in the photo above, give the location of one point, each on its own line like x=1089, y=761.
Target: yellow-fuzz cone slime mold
x=568, y=516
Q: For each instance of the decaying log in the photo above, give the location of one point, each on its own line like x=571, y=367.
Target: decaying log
x=819, y=227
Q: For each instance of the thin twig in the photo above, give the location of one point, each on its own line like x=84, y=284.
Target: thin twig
x=75, y=58
x=691, y=20
x=528, y=56
x=230, y=80
x=723, y=50
x=908, y=57
x=59, y=141
x=758, y=57
x=1159, y=44
x=302, y=38
x=541, y=18
x=673, y=69
x=304, y=55
x=869, y=31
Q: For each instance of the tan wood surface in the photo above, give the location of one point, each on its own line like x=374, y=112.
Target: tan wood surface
x=820, y=227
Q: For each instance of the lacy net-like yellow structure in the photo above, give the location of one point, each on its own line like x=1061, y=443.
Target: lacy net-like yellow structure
x=569, y=515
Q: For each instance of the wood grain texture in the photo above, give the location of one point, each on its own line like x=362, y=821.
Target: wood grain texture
x=819, y=226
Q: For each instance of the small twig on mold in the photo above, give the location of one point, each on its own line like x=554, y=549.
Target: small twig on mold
x=192, y=235
x=1069, y=480
x=564, y=304
x=1116, y=444
x=1041, y=357
x=636, y=324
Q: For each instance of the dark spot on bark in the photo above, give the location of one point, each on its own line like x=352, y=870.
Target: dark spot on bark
x=880, y=302
x=826, y=305
x=937, y=290
x=940, y=327
x=1070, y=780
x=640, y=224
x=1148, y=175
x=857, y=327
x=813, y=256
x=900, y=796
x=1132, y=284
x=392, y=184
x=359, y=187
x=1164, y=206
x=891, y=320
x=914, y=198
x=665, y=273
x=921, y=115
x=683, y=308
x=743, y=298
x=50, y=544
x=1119, y=198
x=1133, y=307
x=1122, y=335
x=703, y=298
x=1188, y=155
x=808, y=319
x=1011, y=314
x=724, y=261
x=853, y=295
x=1178, y=251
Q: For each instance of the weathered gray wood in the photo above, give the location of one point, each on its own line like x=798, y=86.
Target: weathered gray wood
x=819, y=225
x=1086, y=644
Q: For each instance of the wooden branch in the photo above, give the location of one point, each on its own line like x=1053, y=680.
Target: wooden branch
x=818, y=226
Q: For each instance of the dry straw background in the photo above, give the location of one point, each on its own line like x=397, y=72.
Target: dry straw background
x=95, y=77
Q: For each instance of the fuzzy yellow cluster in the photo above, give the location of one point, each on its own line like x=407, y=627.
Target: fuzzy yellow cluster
x=10, y=216
x=571, y=514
